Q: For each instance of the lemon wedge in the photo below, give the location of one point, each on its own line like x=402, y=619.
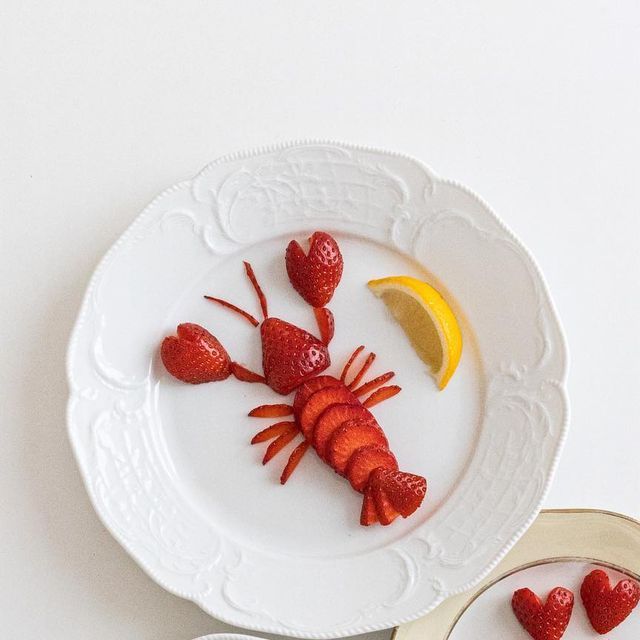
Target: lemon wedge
x=427, y=320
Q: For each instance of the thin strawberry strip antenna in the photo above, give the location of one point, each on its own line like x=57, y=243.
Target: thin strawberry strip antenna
x=272, y=431
x=365, y=367
x=373, y=384
x=254, y=282
x=347, y=366
x=382, y=394
x=233, y=307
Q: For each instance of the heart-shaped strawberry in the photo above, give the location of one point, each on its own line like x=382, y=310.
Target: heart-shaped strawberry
x=316, y=275
x=543, y=622
x=607, y=607
x=290, y=355
x=195, y=356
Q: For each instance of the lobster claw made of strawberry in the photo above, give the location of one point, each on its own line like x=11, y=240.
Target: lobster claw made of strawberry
x=327, y=411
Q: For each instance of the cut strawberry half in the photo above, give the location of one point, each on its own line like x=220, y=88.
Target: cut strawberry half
x=384, y=509
x=318, y=402
x=348, y=438
x=306, y=390
x=405, y=491
x=364, y=461
x=332, y=418
x=368, y=515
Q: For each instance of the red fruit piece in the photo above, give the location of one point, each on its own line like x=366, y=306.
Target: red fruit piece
x=332, y=418
x=368, y=515
x=406, y=491
x=318, y=402
x=349, y=437
x=305, y=391
x=316, y=275
x=326, y=323
x=272, y=431
x=290, y=355
x=384, y=509
x=280, y=443
x=271, y=411
x=195, y=356
x=382, y=394
x=607, y=607
x=294, y=461
x=364, y=461
x=543, y=622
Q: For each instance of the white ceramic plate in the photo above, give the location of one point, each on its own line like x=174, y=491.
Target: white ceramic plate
x=168, y=466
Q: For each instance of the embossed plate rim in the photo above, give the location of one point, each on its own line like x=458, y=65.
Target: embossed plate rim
x=139, y=221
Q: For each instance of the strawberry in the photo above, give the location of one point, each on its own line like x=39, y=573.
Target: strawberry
x=368, y=516
x=406, y=491
x=543, y=622
x=290, y=355
x=384, y=509
x=316, y=275
x=332, y=418
x=326, y=323
x=305, y=391
x=350, y=436
x=318, y=402
x=607, y=607
x=364, y=461
x=195, y=356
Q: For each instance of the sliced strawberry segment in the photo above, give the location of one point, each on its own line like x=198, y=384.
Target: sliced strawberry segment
x=384, y=509
x=332, y=418
x=294, y=461
x=273, y=431
x=305, y=391
x=271, y=411
x=364, y=461
x=318, y=402
x=326, y=323
x=349, y=437
x=368, y=515
x=280, y=443
x=382, y=394
x=405, y=491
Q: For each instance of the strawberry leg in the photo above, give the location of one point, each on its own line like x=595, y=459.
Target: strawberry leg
x=373, y=384
x=363, y=369
x=280, y=443
x=273, y=431
x=347, y=366
x=382, y=394
x=271, y=411
x=294, y=460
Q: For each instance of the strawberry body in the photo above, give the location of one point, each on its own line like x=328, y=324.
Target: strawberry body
x=315, y=275
x=543, y=622
x=607, y=607
x=290, y=355
x=194, y=355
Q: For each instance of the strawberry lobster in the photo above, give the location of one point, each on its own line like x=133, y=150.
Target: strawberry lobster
x=332, y=414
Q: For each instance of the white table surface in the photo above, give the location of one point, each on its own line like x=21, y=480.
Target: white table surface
x=103, y=103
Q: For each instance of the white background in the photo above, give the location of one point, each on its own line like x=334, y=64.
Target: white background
x=103, y=103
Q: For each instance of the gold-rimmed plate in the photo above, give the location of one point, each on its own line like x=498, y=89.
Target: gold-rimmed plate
x=559, y=549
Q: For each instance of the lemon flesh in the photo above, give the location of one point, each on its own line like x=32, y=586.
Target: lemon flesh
x=426, y=319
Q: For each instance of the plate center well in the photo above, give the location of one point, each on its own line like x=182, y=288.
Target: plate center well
x=207, y=431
